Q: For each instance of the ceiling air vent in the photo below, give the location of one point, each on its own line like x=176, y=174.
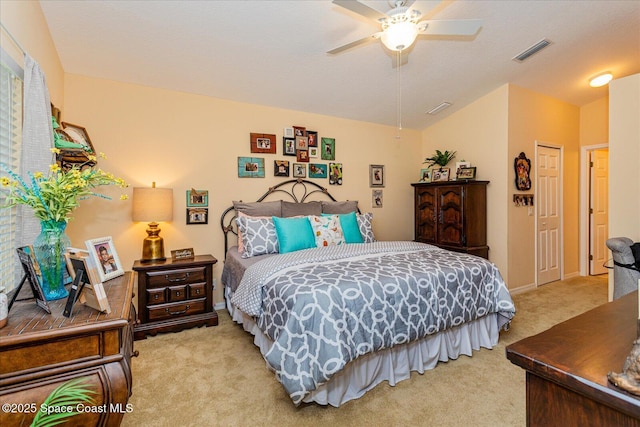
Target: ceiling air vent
x=532, y=50
x=439, y=108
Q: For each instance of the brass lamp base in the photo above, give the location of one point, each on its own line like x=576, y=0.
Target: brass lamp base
x=153, y=245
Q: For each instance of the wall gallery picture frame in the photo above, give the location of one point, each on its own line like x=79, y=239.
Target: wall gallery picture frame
x=197, y=216
x=299, y=170
x=312, y=137
x=197, y=198
x=281, y=168
x=317, y=170
x=376, y=198
x=263, y=143
x=376, y=175
x=314, y=152
x=439, y=175
x=289, y=146
x=250, y=167
x=335, y=173
x=328, y=149
x=104, y=255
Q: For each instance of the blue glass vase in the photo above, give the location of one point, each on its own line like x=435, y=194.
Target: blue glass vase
x=49, y=248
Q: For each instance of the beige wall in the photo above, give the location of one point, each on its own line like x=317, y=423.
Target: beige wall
x=185, y=141
x=25, y=21
x=594, y=122
x=478, y=133
x=490, y=133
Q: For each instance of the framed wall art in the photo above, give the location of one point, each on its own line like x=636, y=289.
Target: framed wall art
x=197, y=198
x=522, y=167
x=335, y=173
x=328, y=149
x=299, y=131
x=317, y=170
x=197, y=216
x=312, y=136
x=313, y=152
x=302, y=143
x=250, y=167
x=289, y=146
x=376, y=198
x=263, y=143
x=104, y=255
x=299, y=170
x=376, y=176
x=288, y=133
x=281, y=168
x=302, y=156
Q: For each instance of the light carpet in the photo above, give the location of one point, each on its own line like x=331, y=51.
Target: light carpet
x=216, y=377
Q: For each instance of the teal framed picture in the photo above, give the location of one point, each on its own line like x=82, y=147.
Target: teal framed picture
x=317, y=170
x=250, y=167
x=197, y=198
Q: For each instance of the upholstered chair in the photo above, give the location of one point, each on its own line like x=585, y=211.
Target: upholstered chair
x=625, y=279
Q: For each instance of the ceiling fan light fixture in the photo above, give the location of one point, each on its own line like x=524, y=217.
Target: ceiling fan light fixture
x=601, y=79
x=399, y=35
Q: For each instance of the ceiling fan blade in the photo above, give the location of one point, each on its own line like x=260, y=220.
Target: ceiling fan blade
x=360, y=9
x=454, y=27
x=347, y=46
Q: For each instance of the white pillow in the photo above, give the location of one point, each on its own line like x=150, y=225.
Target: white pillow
x=327, y=230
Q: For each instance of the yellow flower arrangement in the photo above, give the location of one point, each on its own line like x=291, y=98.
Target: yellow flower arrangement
x=53, y=198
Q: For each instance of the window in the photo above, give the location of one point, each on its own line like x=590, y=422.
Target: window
x=11, y=91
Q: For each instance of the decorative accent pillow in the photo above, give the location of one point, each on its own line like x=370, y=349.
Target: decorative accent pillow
x=350, y=229
x=364, y=224
x=291, y=209
x=294, y=234
x=340, y=207
x=258, y=236
x=327, y=230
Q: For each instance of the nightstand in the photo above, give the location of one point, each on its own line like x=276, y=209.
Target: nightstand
x=174, y=295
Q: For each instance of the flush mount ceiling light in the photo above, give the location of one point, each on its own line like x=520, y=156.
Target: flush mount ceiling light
x=601, y=79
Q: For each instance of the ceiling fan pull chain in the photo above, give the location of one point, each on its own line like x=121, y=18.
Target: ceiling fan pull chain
x=398, y=95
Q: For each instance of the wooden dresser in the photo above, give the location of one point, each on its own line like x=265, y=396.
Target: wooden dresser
x=174, y=295
x=452, y=215
x=40, y=351
x=567, y=368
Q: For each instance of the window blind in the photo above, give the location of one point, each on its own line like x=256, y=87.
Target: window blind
x=11, y=95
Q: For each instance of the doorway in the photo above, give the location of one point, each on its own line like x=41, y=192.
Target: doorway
x=594, y=209
x=548, y=214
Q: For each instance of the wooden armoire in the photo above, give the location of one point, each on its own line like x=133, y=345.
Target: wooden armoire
x=452, y=215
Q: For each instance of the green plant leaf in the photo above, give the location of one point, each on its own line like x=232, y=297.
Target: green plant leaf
x=69, y=393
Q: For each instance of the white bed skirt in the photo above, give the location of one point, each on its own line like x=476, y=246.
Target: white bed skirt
x=393, y=364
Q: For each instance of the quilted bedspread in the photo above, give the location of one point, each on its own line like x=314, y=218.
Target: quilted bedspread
x=325, y=307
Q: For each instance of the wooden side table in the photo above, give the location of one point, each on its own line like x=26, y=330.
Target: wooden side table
x=40, y=351
x=175, y=295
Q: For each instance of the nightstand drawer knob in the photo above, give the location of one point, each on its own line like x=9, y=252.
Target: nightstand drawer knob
x=177, y=313
x=177, y=279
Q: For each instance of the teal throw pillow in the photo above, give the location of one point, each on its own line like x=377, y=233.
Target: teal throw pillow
x=294, y=234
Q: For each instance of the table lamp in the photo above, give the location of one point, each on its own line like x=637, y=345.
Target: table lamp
x=152, y=205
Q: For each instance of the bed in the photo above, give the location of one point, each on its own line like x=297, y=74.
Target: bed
x=337, y=316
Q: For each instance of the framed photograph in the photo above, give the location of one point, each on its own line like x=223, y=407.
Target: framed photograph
x=302, y=156
x=288, y=133
x=313, y=152
x=78, y=134
x=250, y=167
x=312, y=136
x=197, y=216
x=376, y=176
x=104, y=255
x=425, y=175
x=263, y=143
x=317, y=170
x=376, y=198
x=522, y=167
x=281, y=168
x=29, y=263
x=438, y=175
x=299, y=170
x=335, y=173
x=302, y=143
x=466, y=173
x=299, y=131
x=289, y=146
x=460, y=165
x=197, y=198
x=328, y=149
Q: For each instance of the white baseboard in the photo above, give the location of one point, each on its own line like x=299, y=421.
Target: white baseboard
x=521, y=289
x=570, y=275
x=219, y=306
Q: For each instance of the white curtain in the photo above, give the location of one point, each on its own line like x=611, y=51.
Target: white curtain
x=37, y=138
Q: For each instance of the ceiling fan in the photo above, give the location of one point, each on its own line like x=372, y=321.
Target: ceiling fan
x=401, y=25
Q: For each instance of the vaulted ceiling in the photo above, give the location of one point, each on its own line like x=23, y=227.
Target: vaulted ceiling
x=274, y=52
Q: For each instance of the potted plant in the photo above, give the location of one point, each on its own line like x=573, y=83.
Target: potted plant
x=439, y=158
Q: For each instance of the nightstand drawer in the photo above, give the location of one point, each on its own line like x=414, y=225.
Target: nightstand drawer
x=168, y=311
x=177, y=293
x=156, y=296
x=197, y=290
x=157, y=279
